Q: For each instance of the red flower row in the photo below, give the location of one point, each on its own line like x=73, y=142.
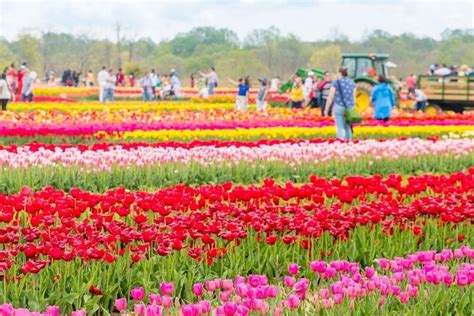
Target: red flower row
x=52, y=225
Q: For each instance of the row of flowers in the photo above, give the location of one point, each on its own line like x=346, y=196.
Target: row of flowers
x=106, y=156
x=406, y=280
x=284, y=133
x=51, y=225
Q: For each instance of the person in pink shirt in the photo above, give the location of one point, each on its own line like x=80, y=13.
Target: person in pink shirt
x=411, y=85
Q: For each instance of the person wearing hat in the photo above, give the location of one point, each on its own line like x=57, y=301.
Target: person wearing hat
x=308, y=86
x=263, y=95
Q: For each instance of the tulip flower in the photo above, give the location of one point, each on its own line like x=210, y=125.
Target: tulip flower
x=167, y=288
x=198, y=289
x=137, y=293
x=121, y=304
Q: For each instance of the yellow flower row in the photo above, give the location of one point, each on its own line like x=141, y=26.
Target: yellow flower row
x=286, y=133
x=117, y=106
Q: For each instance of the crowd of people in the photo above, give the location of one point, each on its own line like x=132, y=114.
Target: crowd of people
x=17, y=84
x=333, y=95
x=442, y=70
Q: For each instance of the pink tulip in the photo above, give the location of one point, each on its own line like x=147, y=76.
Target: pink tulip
x=278, y=311
x=318, y=266
x=81, y=312
x=139, y=309
x=154, y=299
x=205, y=306
x=52, y=310
x=137, y=293
x=224, y=296
x=293, y=301
x=227, y=285
x=327, y=303
x=369, y=272
x=166, y=301
x=242, y=289
x=404, y=297
x=167, y=288
x=153, y=310
x=338, y=298
x=271, y=291
x=381, y=301
x=121, y=304
x=230, y=309
x=198, y=289
x=211, y=286
x=293, y=268
x=289, y=281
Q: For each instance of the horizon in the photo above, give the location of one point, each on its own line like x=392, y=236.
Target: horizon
x=164, y=20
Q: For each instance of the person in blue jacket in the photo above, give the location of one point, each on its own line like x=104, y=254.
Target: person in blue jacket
x=383, y=100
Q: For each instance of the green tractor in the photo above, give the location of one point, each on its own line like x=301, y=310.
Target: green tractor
x=364, y=69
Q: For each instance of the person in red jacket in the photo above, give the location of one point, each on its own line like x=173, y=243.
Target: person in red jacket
x=121, y=78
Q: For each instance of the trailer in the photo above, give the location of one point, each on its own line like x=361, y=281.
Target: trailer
x=447, y=93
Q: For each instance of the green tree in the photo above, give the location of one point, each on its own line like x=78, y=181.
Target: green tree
x=327, y=58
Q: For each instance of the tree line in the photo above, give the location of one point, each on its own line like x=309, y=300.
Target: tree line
x=263, y=52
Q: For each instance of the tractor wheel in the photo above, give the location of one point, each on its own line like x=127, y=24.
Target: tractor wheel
x=363, y=92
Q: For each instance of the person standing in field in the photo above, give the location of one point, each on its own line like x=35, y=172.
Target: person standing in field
x=411, y=86
x=342, y=94
x=383, y=99
x=324, y=87
x=308, y=86
x=27, y=86
x=90, y=78
x=5, y=91
x=12, y=77
x=147, y=84
x=154, y=80
x=212, y=79
x=275, y=84
x=120, y=78
x=175, y=84
x=242, y=100
x=21, y=74
x=131, y=79
x=263, y=94
x=102, y=78
x=111, y=82
x=297, y=94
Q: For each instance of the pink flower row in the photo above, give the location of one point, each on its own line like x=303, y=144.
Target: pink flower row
x=8, y=128
x=293, y=153
x=400, y=278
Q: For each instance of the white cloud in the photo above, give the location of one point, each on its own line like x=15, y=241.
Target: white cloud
x=309, y=19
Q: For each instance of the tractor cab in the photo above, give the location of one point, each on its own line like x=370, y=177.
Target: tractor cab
x=365, y=65
x=364, y=69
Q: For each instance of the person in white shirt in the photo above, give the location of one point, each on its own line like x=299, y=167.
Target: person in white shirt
x=275, y=84
x=111, y=82
x=421, y=99
x=308, y=85
x=154, y=81
x=211, y=80
x=102, y=77
x=175, y=84
x=5, y=91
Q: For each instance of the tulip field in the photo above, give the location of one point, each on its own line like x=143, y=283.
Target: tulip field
x=192, y=208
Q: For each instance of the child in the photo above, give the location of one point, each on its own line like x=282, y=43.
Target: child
x=241, y=102
x=297, y=94
x=262, y=97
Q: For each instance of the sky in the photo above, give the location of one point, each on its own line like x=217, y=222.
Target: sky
x=161, y=20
